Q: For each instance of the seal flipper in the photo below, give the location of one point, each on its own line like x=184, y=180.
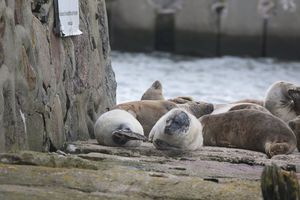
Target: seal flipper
x=122, y=136
x=163, y=145
x=272, y=149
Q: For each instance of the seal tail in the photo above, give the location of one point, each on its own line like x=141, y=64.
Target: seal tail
x=125, y=134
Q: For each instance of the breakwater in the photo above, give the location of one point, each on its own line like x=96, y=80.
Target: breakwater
x=256, y=28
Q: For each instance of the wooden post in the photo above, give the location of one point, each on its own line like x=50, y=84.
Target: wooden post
x=278, y=184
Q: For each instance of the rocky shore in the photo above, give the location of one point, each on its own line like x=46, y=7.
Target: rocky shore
x=88, y=170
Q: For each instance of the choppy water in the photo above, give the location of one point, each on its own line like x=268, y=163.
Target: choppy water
x=216, y=80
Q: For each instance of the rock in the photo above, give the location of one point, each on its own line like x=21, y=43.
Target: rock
x=52, y=89
x=97, y=171
x=46, y=160
x=38, y=173
x=117, y=182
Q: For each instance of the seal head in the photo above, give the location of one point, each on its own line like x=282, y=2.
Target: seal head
x=283, y=100
x=154, y=92
x=177, y=124
x=177, y=129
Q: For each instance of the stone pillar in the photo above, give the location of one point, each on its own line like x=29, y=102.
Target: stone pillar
x=241, y=29
x=283, y=33
x=196, y=26
x=132, y=25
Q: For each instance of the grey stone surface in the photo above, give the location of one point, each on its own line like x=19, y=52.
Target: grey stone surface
x=223, y=156
x=51, y=89
x=283, y=36
x=196, y=26
x=241, y=29
x=91, y=171
x=130, y=173
x=132, y=25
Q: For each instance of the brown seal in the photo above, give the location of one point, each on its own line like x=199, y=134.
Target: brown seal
x=283, y=100
x=295, y=126
x=248, y=129
x=154, y=92
x=148, y=112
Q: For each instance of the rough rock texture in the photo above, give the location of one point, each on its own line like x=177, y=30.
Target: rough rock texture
x=51, y=88
x=91, y=171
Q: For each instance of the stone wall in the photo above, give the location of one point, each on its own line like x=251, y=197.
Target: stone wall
x=51, y=89
x=258, y=28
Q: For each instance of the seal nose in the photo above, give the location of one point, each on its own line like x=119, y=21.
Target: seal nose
x=209, y=108
x=179, y=123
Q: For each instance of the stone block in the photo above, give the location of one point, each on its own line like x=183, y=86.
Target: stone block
x=36, y=132
x=56, y=131
x=132, y=25
x=283, y=32
x=241, y=29
x=196, y=27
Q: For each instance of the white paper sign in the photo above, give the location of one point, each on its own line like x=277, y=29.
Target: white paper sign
x=69, y=17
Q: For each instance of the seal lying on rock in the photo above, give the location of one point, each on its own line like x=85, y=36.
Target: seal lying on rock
x=148, y=112
x=118, y=128
x=248, y=129
x=283, y=100
x=154, y=92
x=222, y=108
x=177, y=129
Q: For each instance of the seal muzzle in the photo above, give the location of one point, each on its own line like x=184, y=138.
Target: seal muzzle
x=178, y=124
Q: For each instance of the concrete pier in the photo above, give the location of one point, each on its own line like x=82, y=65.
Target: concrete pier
x=197, y=32
x=132, y=25
x=283, y=33
x=256, y=28
x=241, y=29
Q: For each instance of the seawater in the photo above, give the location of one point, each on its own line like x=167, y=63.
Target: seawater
x=215, y=80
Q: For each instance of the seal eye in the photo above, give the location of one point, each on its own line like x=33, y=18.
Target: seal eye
x=295, y=97
x=292, y=125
